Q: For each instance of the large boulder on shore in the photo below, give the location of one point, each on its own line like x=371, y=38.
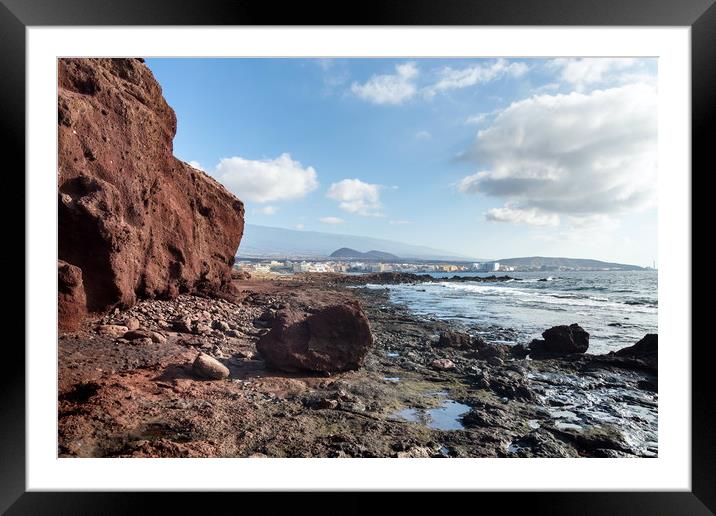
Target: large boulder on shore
x=561, y=340
x=71, y=301
x=136, y=221
x=453, y=339
x=332, y=338
x=646, y=351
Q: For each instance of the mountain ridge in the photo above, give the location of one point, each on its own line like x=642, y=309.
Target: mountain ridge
x=347, y=252
x=272, y=242
x=555, y=261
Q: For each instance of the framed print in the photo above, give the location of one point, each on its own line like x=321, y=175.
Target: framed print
x=423, y=247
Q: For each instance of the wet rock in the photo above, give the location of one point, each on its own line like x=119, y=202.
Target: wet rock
x=486, y=416
x=482, y=379
x=71, y=299
x=442, y=364
x=511, y=386
x=115, y=330
x=495, y=361
x=540, y=443
x=646, y=350
x=488, y=351
x=453, y=339
x=519, y=351
x=588, y=441
x=648, y=385
x=208, y=367
x=138, y=222
x=561, y=340
x=333, y=338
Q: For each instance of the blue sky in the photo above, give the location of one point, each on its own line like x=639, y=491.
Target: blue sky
x=485, y=157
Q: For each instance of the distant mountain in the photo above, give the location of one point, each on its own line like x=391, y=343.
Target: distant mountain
x=537, y=262
x=270, y=242
x=347, y=252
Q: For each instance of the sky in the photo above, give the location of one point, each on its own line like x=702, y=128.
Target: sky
x=492, y=158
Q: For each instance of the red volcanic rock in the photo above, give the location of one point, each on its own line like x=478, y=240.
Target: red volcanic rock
x=333, y=338
x=138, y=222
x=71, y=301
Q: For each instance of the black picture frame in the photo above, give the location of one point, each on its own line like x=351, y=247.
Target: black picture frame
x=699, y=15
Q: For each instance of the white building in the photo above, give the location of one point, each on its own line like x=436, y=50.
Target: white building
x=301, y=267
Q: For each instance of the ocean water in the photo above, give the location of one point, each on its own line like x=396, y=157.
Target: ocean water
x=617, y=308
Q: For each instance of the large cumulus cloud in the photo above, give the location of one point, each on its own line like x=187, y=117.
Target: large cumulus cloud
x=571, y=154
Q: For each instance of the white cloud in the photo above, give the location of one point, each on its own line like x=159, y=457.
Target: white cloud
x=355, y=196
x=478, y=119
x=452, y=78
x=391, y=88
x=423, y=135
x=529, y=216
x=580, y=155
x=584, y=72
x=399, y=222
x=331, y=220
x=267, y=180
x=299, y=226
x=267, y=210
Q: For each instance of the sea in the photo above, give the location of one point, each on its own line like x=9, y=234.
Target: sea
x=616, y=308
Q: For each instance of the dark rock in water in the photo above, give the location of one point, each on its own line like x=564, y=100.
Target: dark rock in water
x=71, y=300
x=646, y=351
x=648, y=345
x=519, y=351
x=453, y=339
x=138, y=222
x=648, y=385
x=332, y=338
x=561, y=340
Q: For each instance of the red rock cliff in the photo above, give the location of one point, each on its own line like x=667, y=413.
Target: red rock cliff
x=135, y=220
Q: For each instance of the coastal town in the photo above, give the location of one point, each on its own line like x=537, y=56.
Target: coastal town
x=299, y=266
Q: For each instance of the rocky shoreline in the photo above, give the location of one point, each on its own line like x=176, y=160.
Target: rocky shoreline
x=166, y=351
x=129, y=386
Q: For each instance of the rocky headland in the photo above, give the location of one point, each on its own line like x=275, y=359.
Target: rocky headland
x=134, y=221
x=165, y=352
